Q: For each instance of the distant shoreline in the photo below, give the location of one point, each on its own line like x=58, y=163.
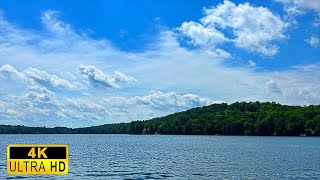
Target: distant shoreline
x=164, y=135
x=240, y=118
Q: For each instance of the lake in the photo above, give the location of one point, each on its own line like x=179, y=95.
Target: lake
x=179, y=157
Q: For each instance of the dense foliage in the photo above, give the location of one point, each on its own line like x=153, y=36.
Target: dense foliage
x=241, y=118
x=119, y=128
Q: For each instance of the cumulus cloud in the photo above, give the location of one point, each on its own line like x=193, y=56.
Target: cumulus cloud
x=166, y=67
x=9, y=72
x=35, y=102
x=100, y=79
x=37, y=76
x=313, y=41
x=46, y=79
x=39, y=106
x=202, y=36
x=158, y=99
x=254, y=28
x=96, y=77
x=40, y=98
x=157, y=102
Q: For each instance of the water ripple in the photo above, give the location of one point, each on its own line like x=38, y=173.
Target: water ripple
x=179, y=157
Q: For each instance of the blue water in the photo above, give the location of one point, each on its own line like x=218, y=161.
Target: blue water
x=179, y=157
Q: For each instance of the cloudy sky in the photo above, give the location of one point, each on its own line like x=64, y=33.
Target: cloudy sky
x=73, y=63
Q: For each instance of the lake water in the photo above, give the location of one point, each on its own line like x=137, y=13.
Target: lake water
x=179, y=157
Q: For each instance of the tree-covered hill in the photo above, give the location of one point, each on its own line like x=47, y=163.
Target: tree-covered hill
x=241, y=118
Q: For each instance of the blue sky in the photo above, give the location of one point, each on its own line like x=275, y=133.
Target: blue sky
x=79, y=64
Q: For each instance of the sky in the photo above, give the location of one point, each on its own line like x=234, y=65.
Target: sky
x=76, y=64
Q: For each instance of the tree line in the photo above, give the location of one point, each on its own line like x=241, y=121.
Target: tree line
x=118, y=128
x=240, y=118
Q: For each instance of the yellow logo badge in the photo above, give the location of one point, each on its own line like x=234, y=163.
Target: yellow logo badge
x=37, y=159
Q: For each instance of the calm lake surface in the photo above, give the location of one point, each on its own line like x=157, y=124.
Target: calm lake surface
x=179, y=157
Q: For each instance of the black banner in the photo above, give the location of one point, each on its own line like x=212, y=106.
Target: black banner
x=39, y=152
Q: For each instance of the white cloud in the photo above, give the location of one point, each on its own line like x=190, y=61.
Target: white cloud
x=118, y=101
x=10, y=35
x=158, y=99
x=313, y=41
x=39, y=106
x=46, y=79
x=36, y=104
x=161, y=100
x=83, y=105
x=122, y=78
x=252, y=63
x=298, y=85
x=100, y=79
x=50, y=20
x=33, y=75
x=180, y=78
x=273, y=87
x=255, y=28
x=156, y=103
x=40, y=93
x=9, y=72
x=96, y=77
x=297, y=6
x=220, y=54
x=202, y=36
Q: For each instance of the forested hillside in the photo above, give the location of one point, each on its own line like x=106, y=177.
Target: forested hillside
x=241, y=118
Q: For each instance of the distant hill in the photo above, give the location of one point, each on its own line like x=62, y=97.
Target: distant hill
x=240, y=118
